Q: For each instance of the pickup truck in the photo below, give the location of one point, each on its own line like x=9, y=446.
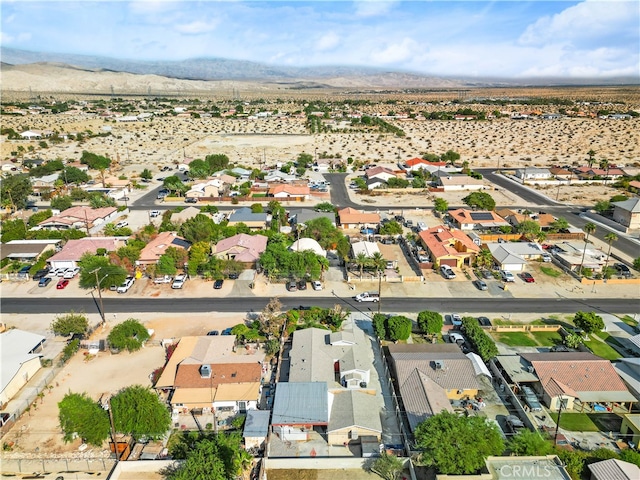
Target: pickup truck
x=165, y=279
x=367, y=297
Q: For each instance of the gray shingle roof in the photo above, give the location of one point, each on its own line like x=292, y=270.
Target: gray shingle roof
x=354, y=408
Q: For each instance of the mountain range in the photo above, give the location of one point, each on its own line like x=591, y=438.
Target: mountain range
x=42, y=71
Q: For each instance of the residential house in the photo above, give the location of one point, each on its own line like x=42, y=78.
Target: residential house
x=422, y=164
x=452, y=182
x=255, y=221
x=352, y=218
x=533, y=173
x=630, y=428
x=629, y=369
x=576, y=255
x=589, y=173
x=31, y=135
x=380, y=173
x=158, y=246
x=186, y=214
x=561, y=173
x=368, y=249
x=449, y=247
x=353, y=416
x=476, y=219
x=373, y=183
x=627, y=213
x=241, y=248
x=256, y=428
x=429, y=376
x=20, y=361
x=278, y=176
x=79, y=217
x=613, y=469
x=45, y=183
x=210, y=188
x=576, y=377
x=298, y=409
x=241, y=173
x=73, y=250
x=513, y=256
x=285, y=191
x=303, y=215
x=27, y=250
x=515, y=218
x=205, y=374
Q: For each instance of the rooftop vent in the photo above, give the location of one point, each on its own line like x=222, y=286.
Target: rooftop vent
x=205, y=371
x=438, y=364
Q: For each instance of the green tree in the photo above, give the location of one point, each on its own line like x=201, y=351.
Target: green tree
x=96, y=162
x=636, y=262
x=69, y=324
x=199, y=169
x=39, y=216
x=484, y=258
x=380, y=325
x=391, y=228
x=602, y=206
x=482, y=343
x=573, y=340
x=440, y=205
x=61, y=203
x=100, y=200
x=146, y=174
x=304, y=160
x=107, y=273
x=480, y=200
x=175, y=185
x=589, y=228
x=257, y=208
x=399, y=328
x=79, y=414
x=200, y=228
x=450, y=156
x=217, y=162
x=129, y=335
x=362, y=261
x=73, y=175
x=529, y=443
x=529, y=229
x=139, y=412
x=443, y=437
x=591, y=154
x=325, y=207
x=588, y=321
x=387, y=466
x=430, y=322
x=14, y=191
x=559, y=224
x=166, y=265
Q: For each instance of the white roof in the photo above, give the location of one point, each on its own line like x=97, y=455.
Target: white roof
x=368, y=248
x=478, y=365
x=308, y=244
x=15, y=346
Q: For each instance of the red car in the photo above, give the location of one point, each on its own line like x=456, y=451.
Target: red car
x=62, y=283
x=527, y=277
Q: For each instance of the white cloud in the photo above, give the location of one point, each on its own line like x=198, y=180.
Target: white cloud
x=197, y=27
x=373, y=8
x=583, y=22
x=8, y=39
x=328, y=41
x=396, y=52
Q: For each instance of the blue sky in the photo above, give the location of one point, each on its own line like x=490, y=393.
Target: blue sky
x=518, y=39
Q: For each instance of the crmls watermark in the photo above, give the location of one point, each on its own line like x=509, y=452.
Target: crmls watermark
x=526, y=471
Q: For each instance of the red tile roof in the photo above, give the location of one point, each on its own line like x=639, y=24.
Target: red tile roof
x=443, y=242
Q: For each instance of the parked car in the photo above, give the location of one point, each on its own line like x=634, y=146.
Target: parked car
x=292, y=286
x=486, y=274
x=71, y=272
x=218, y=284
x=213, y=333
x=456, y=319
x=126, y=285
x=316, y=285
x=178, y=282
x=456, y=338
x=122, y=224
x=234, y=276
x=622, y=269
x=41, y=274
x=163, y=279
x=527, y=277
x=514, y=424
x=507, y=276
x=531, y=399
x=480, y=284
x=62, y=284
x=302, y=284
x=155, y=213
x=447, y=272
x=44, y=281
x=546, y=258
x=24, y=271
x=484, y=321
x=191, y=200
x=227, y=331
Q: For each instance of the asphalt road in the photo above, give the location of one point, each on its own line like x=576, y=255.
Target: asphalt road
x=530, y=196
x=186, y=305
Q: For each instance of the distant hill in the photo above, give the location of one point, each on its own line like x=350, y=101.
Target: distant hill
x=41, y=71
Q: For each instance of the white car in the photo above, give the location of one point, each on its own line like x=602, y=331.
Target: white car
x=316, y=285
x=155, y=213
x=456, y=319
x=507, y=276
x=71, y=272
x=124, y=288
x=122, y=224
x=164, y=279
x=178, y=282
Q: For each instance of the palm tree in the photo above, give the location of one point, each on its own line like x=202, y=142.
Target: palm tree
x=589, y=228
x=559, y=224
x=484, y=258
x=592, y=157
x=379, y=263
x=610, y=238
x=604, y=165
x=362, y=261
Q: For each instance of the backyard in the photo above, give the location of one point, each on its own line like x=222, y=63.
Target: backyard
x=588, y=422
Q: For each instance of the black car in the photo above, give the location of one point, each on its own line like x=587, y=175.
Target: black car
x=41, y=274
x=213, y=333
x=234, y=276
x=218, y=284
x=291, y=286
x=622, y=269
x=484, y=321
x=191, y=200
x=302, y=285
x=44, y=281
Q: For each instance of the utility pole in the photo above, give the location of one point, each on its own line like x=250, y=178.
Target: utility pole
x=379, y=289
x=555, y=438
x=113, y=430
x=100, y=296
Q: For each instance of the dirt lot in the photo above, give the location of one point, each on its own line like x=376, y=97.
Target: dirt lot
x=39, y=431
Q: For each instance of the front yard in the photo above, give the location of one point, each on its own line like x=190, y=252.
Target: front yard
x=528, y=339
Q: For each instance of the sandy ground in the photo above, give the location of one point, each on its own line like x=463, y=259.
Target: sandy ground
x=501, y=143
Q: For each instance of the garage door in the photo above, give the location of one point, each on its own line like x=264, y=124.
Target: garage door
x=450, y=262
x=63, y=264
